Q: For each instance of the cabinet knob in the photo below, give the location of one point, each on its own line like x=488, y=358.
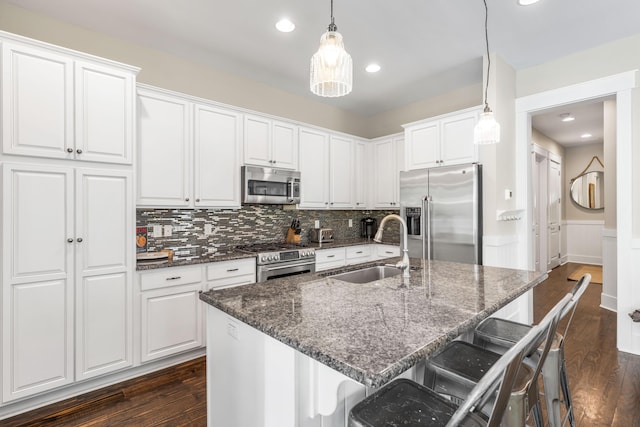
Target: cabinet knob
x=70, y=240
x=79, y=151
x=79, y=239
x=326, y=203
x=198, y=200
x=69, y=150
x=331, y=203
x=186, y=199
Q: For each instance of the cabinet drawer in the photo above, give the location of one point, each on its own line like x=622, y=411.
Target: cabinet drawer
x=170, y=277
x=387, y=251
x=358, y=252
x=231, y=273
x=329, y=258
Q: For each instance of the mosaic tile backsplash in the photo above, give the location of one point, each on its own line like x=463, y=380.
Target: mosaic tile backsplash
x=248, y=225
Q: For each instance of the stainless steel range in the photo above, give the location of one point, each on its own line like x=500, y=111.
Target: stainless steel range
x=275, y=260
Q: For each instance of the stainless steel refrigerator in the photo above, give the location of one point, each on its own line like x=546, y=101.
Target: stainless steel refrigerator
x=443, y=210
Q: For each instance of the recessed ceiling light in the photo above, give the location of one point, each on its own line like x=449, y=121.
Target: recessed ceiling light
x=526, y=2
x=567, y=117
x=285, y=26
x=586, y=135
x=372, y=68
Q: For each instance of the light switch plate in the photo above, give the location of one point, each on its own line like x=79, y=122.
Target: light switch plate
x=167, y=230
x=157, y=231
x=317, y=224
x=350, y=223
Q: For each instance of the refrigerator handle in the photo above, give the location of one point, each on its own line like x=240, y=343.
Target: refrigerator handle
x=426, y=234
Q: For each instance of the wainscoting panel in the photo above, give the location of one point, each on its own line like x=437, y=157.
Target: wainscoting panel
x=584, y=241
x=609, y=270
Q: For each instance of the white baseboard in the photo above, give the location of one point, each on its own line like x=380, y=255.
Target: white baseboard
x=608, y=302
x=584, y=259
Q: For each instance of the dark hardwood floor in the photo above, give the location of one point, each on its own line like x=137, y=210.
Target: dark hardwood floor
x=605, y=383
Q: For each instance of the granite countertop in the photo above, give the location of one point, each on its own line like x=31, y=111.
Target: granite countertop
x=374, y=331
x=232, y=254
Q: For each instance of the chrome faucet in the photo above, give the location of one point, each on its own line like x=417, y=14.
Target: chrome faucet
x=404, y=264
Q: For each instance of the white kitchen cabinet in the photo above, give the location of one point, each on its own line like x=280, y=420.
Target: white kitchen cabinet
x=387, y=159
x=386, y=251
x=361, y=174
x=441, y=141
x=327, y=259
x=270, y=143
x=61, y=104
x=327, y=170
x=170, y=311
x=188, y=152
x=66, y=238
x=358, y=254
x=224, y=274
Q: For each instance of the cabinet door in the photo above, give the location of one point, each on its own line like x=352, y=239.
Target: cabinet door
x=284, y=141
x=217, y=153
x=361, y=168
x=341, y=173
x=104, y=113
x=104, y=220
x=171, y=321
x=314, y=169
x=37, y=278
x=37, y=102
x=257, y=141
x=457, y=145
x=423, y=145
x=385, y=171
x=163, y=150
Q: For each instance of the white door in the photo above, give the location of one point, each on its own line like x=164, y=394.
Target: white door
x=164, y=155
x=314, y=169
x=104, y=113
x=37, y=279
x=535, y=203
x=37, y=102
x=216, y=157
x=341, y=175
x=171, y=321
x=104, y=254
x=554, y=210
x=284, y=149
x=456, y=144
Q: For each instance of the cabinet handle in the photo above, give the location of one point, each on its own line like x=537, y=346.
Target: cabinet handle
x=326, y=203
x=174, y=278
x=79, y=151
x=186, y=199
x=70, y=240
x=359, y=252
x=79, y=239
x=69, y=150
x=331, y=203
x=330, y=256
x=198, y=200
x=229, y=270
x=388, y=252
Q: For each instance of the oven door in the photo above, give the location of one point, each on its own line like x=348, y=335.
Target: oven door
x=284, y=269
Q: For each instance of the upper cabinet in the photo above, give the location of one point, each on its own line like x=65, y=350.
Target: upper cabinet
x=327, y=172
x=270, y=143
x=62, y=104
x=188, y=152
x=388, y=155
x=442, y=140
x=361, y=174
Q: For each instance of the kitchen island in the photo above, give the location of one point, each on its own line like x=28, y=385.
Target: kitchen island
x=302, y=350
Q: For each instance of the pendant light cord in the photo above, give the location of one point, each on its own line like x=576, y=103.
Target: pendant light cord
x=332, y=25
x=486, y=37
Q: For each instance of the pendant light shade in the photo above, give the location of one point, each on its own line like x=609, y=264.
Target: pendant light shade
x=487, y=130
x=331, y=66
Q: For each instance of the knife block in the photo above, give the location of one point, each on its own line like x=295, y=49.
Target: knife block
x=292, y=237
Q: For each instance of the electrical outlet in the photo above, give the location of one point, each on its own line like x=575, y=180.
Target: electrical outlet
x=157, y=231
x=508, y=194
x=350, y=223
x=317, y=223
x=167, y=230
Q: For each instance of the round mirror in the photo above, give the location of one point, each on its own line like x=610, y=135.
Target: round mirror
x=587, y=190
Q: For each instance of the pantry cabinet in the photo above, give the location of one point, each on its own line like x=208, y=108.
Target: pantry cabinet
x=441, y=141
x=66, y=274
x=188, y=152
x=327, y=170
x=61, y=104
x=270, y=143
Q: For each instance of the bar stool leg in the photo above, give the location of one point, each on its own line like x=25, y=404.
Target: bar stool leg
x=551, y=380
x=564, y=382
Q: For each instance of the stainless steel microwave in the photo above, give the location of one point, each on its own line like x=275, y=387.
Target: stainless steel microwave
x=270, y=186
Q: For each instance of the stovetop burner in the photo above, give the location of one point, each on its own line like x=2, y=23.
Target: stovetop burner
x=271, y=247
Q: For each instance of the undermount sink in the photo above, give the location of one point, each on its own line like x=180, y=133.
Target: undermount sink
x=369, y=274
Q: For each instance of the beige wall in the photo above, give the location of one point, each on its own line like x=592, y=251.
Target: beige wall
x=575, y=161
x=547, y=143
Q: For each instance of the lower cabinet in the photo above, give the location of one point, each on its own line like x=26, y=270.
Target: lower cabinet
x=386, y=251
x=327, y=259
x=170, y=312
x=225, y=274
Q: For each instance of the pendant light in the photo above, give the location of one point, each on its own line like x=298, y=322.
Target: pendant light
x=487, y=130
x=331, y=66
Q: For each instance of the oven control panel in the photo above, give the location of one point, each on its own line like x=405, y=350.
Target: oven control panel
x=284, y=256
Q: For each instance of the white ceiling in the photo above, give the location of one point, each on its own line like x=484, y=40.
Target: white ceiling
x=426, y=48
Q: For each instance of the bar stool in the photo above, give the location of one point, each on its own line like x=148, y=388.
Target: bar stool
x=407, y=403
x=500, y=334
x=460, y=365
